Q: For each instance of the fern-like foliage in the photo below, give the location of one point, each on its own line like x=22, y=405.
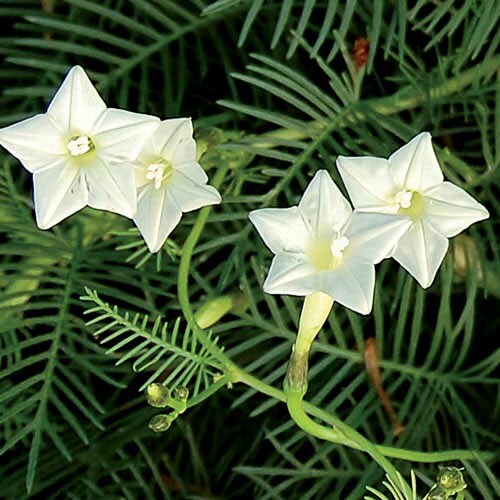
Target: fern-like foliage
x=327, y=25
x=173, y=353
x=394, y=490
x=48, y=360
x=124, y=45
x=43, y=343
x=292, y=97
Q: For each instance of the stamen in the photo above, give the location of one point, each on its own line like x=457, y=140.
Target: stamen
x=326, y=254
x=159, y=172
x=80, y=145
x=339, y=245
x=410, y=203
x=403, y=198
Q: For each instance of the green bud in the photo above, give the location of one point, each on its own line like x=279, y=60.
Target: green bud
x=215, y=309
x=212, y=311
x=157, y=395
x=438, y=493
x=181, y=394
x=159, y=423
x=451, y=479
x=466, y=257
x=207, y=138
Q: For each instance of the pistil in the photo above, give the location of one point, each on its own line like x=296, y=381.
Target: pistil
x=410, y=203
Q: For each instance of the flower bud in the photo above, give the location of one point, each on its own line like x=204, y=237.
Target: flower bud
x=437, y=493
x=212, y=311
x=157, y=395
x=207, y=138
x=181, y=394
x=451, y=479
x=466, y=256
x=215, y=309
x=159, y=423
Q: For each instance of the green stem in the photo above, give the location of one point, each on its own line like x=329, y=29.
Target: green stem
x=407, y=99
x=403, y=100
x=237, y=374
x=187, y=251
x=315, y=311
x=351, y=438
x=346, y=437
x=410, y=455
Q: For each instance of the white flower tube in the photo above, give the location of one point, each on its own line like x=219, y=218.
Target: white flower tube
x=321, y=246
x=410, y=186
x=79, y=152
x=169, y=181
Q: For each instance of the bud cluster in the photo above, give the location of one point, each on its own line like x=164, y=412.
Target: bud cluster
x=158, y=396
x=450, y=481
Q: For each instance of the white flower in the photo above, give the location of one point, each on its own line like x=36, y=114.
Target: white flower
x=320, y=246
x=169, y=181
x=410, y=186
x=79, y=152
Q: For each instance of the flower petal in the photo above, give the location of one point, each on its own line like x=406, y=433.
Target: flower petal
x=415, y=166
x=77, y=105
x=189, y=195
x=369, y=183
x=111, y=187
x=372, y=236
x=323, y=206
x=451, y=210
x=171, y=134
x=185, y=152
x=193, y=171
x=173, y=141
x=120, y=135
x=156, y=217
x=420, y=251
x=58, y=193
x=36, y=142
x=291, y=275
x=282, y=229
x=351, y=284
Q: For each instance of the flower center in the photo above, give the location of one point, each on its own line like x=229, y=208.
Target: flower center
x=339, y=245
x=326, y=255
x=80, y=145
x=403, y=198
x=410, y=203
x=159, y=172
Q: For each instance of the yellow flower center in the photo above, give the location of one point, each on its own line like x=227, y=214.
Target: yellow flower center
x=327, y=254
x=410, y=203
x=80, y=145
x=159, y=172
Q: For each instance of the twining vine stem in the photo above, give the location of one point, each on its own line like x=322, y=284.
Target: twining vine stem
x=238, y=374
x=338, y=432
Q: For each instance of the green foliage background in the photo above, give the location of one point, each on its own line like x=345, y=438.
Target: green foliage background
x=278, y=78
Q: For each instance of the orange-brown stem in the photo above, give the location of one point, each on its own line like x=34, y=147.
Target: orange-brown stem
x=373, y=370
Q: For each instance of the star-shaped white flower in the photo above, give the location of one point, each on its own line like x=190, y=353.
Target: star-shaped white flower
x=410, y=186
x=169, y=181
x=321, y=246
x=79, y=152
